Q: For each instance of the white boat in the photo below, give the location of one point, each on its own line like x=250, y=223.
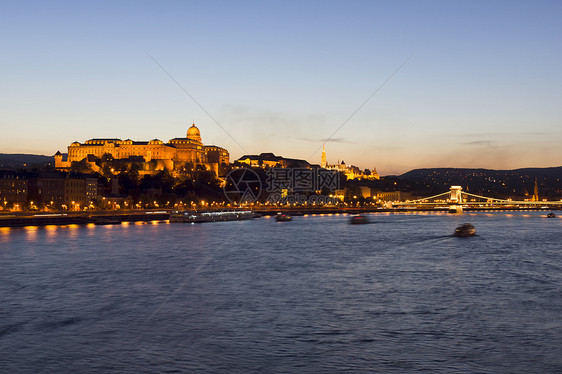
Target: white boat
x=199, y=217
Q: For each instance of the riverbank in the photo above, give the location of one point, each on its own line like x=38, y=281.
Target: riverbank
x=296, y=211
x=45, y=219
x=21, y=219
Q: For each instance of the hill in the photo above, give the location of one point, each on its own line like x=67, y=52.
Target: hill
x=552, y=172
x=506, y=183
x=22, y=160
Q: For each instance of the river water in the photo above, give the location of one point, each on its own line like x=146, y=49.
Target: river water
x=315, y=295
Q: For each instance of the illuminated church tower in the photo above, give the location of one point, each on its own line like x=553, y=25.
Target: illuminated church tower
x=323, y=163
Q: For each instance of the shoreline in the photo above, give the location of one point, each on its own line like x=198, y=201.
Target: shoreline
x=22, y=219
x=80, y=218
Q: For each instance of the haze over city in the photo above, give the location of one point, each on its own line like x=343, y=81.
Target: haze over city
x=393, y=85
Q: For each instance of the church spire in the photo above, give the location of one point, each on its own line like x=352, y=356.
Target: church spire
x=323, y=160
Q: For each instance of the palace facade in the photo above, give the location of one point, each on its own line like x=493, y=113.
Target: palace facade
x=173, y=155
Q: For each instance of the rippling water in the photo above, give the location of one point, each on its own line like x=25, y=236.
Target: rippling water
x=315, y=295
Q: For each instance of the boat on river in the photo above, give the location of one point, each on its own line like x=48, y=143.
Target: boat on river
x=282, y=217
x=454, y=209
x=359, y=219
x=551, y=215
x=465, y=230
x=200, y=217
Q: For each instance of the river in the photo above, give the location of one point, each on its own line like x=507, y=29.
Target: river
x=314, y=295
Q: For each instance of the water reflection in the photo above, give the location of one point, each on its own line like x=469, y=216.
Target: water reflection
x=73, y=231
x=51, y=233
x=4, y=235
x=31, y=233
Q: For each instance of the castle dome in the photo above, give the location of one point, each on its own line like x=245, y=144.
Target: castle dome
x=194, y=134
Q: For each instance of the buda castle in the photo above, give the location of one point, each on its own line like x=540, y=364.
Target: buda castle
x=173, y=155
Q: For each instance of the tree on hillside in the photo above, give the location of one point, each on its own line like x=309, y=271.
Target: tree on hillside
x=81, y=166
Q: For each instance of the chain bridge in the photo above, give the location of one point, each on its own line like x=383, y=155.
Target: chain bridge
x=456, y=198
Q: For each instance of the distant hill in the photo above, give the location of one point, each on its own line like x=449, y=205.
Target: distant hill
x=552, y=172
x=21, y=160
x=517, y=182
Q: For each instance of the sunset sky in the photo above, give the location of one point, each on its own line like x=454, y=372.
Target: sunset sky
x=395, y=85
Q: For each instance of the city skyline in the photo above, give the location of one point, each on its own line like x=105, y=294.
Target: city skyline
x=392, y=85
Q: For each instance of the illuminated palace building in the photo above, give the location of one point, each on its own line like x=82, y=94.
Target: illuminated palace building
x=156, y=155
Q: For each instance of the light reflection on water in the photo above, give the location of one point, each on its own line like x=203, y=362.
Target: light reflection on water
x=4, y=236
x=31, y=232
x=51, y=233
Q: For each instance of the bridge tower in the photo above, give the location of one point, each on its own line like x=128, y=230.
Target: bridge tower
x=456, y=195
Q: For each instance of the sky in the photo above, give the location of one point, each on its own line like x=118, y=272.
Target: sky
x=395, y=85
